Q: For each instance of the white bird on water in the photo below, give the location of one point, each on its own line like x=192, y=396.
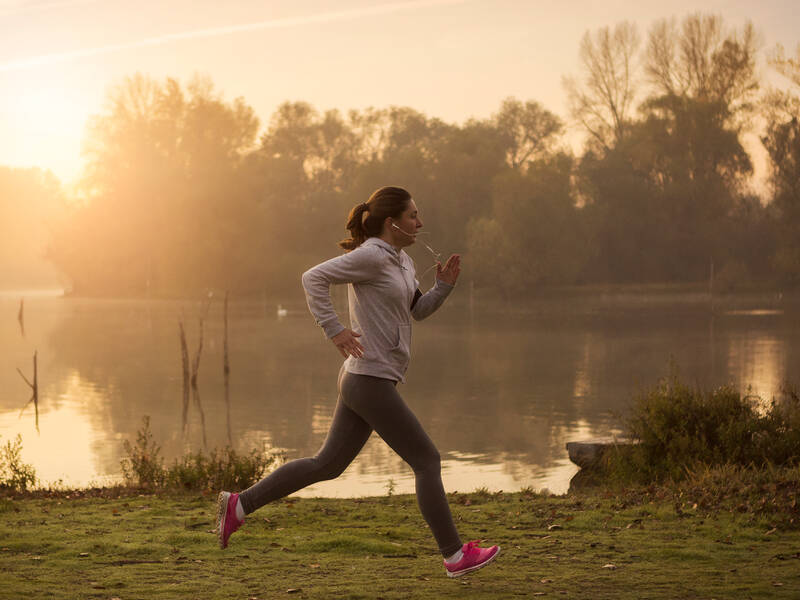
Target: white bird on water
x=282, y=312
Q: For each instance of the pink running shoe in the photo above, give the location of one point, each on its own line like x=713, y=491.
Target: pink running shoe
x=474, y=558
x=227, y=522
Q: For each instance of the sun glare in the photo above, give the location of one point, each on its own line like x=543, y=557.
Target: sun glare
x=46, y=122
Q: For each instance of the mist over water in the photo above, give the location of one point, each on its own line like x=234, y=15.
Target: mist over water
x=499, y=391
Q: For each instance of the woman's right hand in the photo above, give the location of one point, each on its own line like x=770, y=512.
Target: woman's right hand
x=347, y=343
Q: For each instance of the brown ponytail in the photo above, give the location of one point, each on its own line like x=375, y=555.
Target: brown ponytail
x=366, y=219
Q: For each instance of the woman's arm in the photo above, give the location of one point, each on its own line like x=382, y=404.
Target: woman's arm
x=424, y=305
x=361, y=264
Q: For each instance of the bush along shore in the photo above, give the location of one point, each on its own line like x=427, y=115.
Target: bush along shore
x=705, y=506
x=679, y=431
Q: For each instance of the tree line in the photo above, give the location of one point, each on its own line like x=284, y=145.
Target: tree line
x=181, y=194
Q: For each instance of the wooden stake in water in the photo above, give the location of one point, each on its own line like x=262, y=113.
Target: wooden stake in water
x=226, y=369
x=196, y=361
x=195, y=390
x=471, y=299
x=190, y=372
x=196, y=394
x=186, y=375
x=34, y=388
x=711, y=278
x=21, y=316
x=711, y=283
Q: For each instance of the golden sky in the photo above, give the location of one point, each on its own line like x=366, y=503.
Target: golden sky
x=453, y=59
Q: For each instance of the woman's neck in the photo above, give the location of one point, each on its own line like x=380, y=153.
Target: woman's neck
x=389, y=239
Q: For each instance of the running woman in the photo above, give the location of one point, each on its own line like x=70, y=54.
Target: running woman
x=383, y=297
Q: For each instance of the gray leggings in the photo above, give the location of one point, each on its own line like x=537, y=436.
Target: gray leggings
x=366, y=403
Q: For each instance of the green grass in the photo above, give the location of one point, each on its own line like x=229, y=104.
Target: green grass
x=119, y=544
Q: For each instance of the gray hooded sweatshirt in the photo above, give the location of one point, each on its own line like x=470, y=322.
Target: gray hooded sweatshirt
x=382, y=288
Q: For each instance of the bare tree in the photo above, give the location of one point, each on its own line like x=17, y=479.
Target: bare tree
x=602, y=98
x=21, y=316
x=702, y=61
x=787, y=66
x=781, y=139
x=783, y=103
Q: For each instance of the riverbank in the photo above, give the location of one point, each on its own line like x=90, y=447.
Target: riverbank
x=654, y=542
x=723, y=292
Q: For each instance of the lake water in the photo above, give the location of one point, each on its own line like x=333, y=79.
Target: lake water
x=500, y=390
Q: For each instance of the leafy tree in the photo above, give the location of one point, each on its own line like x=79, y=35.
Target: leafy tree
x=782, y=142
x=161, y=192
x=659, y=205
x=179, y=197
x=703, y=82
x=619, y=212
x=530, y=239
x=527, y=129
x=30, y=200
x=675, y=179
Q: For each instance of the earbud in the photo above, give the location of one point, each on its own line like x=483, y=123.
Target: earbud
x=411, y=235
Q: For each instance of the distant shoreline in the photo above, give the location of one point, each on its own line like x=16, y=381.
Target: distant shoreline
x=689, y=292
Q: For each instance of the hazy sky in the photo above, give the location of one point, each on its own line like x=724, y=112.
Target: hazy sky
x=452, y=59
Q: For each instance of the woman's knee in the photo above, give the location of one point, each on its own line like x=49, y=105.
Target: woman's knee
x=429, y=461
x=327, y=469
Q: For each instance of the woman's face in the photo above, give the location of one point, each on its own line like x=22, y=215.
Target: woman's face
x=403, y=229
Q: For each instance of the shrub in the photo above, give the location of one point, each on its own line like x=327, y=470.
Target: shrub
x=679, y=428
x=780, y=438
x=14, y=474
x=223, y=469
x=214, y=470
x=143, y=467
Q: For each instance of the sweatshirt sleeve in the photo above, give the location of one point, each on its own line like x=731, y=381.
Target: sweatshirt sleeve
x=431, y=300
x=361, y=264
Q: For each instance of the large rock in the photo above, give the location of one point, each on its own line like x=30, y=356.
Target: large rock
x=586, y=452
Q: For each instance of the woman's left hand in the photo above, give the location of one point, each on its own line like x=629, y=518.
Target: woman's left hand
x=449, y=273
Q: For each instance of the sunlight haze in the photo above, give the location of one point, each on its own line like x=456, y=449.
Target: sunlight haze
x=452, y=59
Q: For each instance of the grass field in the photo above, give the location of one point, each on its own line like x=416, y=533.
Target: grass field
x=119, y=544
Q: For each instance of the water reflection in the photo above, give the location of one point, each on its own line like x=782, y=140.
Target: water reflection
x=758, y=362
x=499, y=393
x=73, y=437
x=582, y=387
